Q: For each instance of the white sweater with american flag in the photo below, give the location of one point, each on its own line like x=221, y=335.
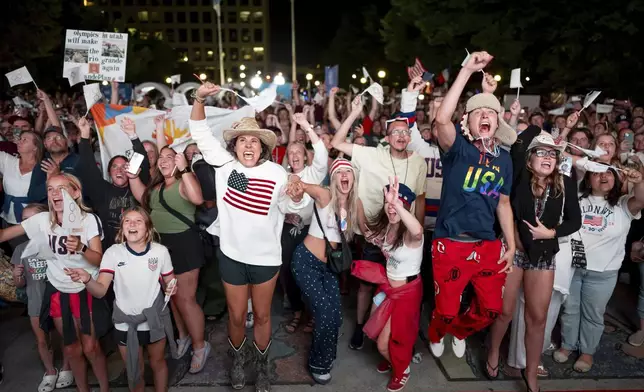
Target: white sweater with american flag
x=251, y=202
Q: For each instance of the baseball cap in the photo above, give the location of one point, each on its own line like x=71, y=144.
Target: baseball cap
x=622, y=117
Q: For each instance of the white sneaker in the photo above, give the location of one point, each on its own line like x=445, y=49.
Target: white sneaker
x=250, y=320
x=458, y=346
x=437, y=349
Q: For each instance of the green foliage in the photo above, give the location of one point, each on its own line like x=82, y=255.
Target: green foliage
x=569, y=45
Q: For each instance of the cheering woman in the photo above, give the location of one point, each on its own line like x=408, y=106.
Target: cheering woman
x=253, y=197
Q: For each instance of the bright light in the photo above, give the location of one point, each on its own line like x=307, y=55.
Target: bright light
x=309, y=76
x=527, y=78
x=256, y=82
x=421, y=97
x=105, y=83
x=243, y=84
x=497, y=78
x=353, y=76
x=279, y=79
x=185, y=59
x=259, y=72
x=279, y=74
x=317, y=83
x=210, y=53
x=363, y=80
x=168, y=80
x=268, y=77
x=242, y=67
x=382, y=74
x=203, y=76
x=229, y=80
x=242, y=75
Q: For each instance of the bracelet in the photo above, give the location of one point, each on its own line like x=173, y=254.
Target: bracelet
x=197, y=98
x=85, y=283
x=133, y=137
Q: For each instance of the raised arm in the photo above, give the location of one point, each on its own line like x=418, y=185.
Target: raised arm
x=211, y=149
x=339, y=139
x=49, y=107
x=114, y=99
x=515, y=110
x=571, y=121
x=636, y=202
x=320, y=162
x=408, y=101
x=88, y=171
x=446, y=132
x=136, y=185
x=331, y=106
x=189, y=189
x=414, y=234
x=159, y=124
x=321, y=195
x=295, y=92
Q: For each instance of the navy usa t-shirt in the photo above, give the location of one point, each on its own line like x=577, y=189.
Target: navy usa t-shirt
x=472, y=185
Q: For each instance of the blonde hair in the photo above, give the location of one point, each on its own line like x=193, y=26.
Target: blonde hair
x=151, y=234
x=75, y=184
x=352, y=206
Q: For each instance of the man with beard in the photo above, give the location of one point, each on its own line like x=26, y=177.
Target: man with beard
x=375, y=165
x=57, y=159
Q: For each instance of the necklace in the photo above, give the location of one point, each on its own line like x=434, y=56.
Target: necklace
x=394, y=167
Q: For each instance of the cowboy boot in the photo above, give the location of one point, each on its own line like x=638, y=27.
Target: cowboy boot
x=241, y=356
x=263, y=383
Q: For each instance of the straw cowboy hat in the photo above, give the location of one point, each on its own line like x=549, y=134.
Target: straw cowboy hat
x=504, y=133
x=248, y=126
x=544, y=139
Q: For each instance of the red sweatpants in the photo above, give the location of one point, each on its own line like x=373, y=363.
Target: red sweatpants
x=455, y=265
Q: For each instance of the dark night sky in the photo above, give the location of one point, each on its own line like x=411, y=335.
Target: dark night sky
x=316, y=23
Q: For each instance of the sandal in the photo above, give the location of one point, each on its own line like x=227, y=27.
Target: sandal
x=310, y=326
x=183, y=345
x=48, y=382
x=560, y=356
x=65, y=379
x=204, y=352
x=582, y=366
x=488, y=374
x=525, y=380
x=292, y=326
x=542, y=371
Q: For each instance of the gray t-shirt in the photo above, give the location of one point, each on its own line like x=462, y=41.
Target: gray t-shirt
x=35, y=275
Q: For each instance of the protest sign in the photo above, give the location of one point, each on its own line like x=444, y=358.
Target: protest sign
x=101, y=55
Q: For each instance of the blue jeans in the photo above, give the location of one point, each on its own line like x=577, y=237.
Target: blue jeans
x=321, y=291
x=582, y=321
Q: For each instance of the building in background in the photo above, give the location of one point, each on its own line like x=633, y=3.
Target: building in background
x=190, y=26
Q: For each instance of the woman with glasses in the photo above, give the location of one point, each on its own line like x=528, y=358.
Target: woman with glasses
x=544, y=201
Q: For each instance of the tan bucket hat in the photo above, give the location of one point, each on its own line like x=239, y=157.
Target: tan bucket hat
x=544, y=139
x=504, y=133
x=248, y=126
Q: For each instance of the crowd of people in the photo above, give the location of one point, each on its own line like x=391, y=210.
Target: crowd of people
x=452, y=204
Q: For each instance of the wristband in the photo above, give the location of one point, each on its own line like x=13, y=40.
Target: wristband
x=133, y=137
x=198, y=98
x=85, y=283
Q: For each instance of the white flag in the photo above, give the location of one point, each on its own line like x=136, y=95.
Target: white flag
x=376, y=92
x=260, y=102
x=601, y=108
x=515, y=78
x=596, y=167
x=179, y=100
x=17, y=101
x=179, y=145
x=318, y=98
x=19, y=76
x=558, y=112
x=92, y=93
x=75, y=76
x=596, y=153
x=71, y=213
x=590, y=98
x=175, y=79
x=366, y=74
x=467, y=58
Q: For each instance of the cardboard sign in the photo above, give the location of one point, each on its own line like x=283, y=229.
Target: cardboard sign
x=101, y=55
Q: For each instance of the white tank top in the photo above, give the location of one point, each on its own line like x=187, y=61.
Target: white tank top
x=327, y=218
x=404, y=261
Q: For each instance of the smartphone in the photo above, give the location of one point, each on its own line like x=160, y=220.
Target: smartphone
x=629, y=137
x=427, y=76
x=135, y=163
x=377, y=300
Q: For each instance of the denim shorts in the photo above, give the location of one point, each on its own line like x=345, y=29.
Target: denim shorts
x=240, y=274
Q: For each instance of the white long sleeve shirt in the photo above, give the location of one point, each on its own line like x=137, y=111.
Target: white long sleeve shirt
x=251, y=202
x=431, y=153
x=314, y=174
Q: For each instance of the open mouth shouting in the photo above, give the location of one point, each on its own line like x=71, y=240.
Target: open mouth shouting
x=57, y=203
x=248, y=156
x=484, y=127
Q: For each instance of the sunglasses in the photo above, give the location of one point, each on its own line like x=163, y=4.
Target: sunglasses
x=546, y=153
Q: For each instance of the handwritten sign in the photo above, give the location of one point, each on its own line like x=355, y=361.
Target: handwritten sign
x=101, y=55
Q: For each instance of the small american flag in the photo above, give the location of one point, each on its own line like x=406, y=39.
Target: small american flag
x=593, y=220
x=415, y=70
x=249, y=194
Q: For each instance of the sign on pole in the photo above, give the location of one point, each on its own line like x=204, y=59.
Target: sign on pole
x=102, y=55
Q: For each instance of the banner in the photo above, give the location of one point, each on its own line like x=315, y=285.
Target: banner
x=102, y=55
x=114, y=142
x=331, y=77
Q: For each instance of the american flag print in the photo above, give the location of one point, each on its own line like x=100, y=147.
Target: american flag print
x=415, y=70
x=252, y=195
x=593, y=220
